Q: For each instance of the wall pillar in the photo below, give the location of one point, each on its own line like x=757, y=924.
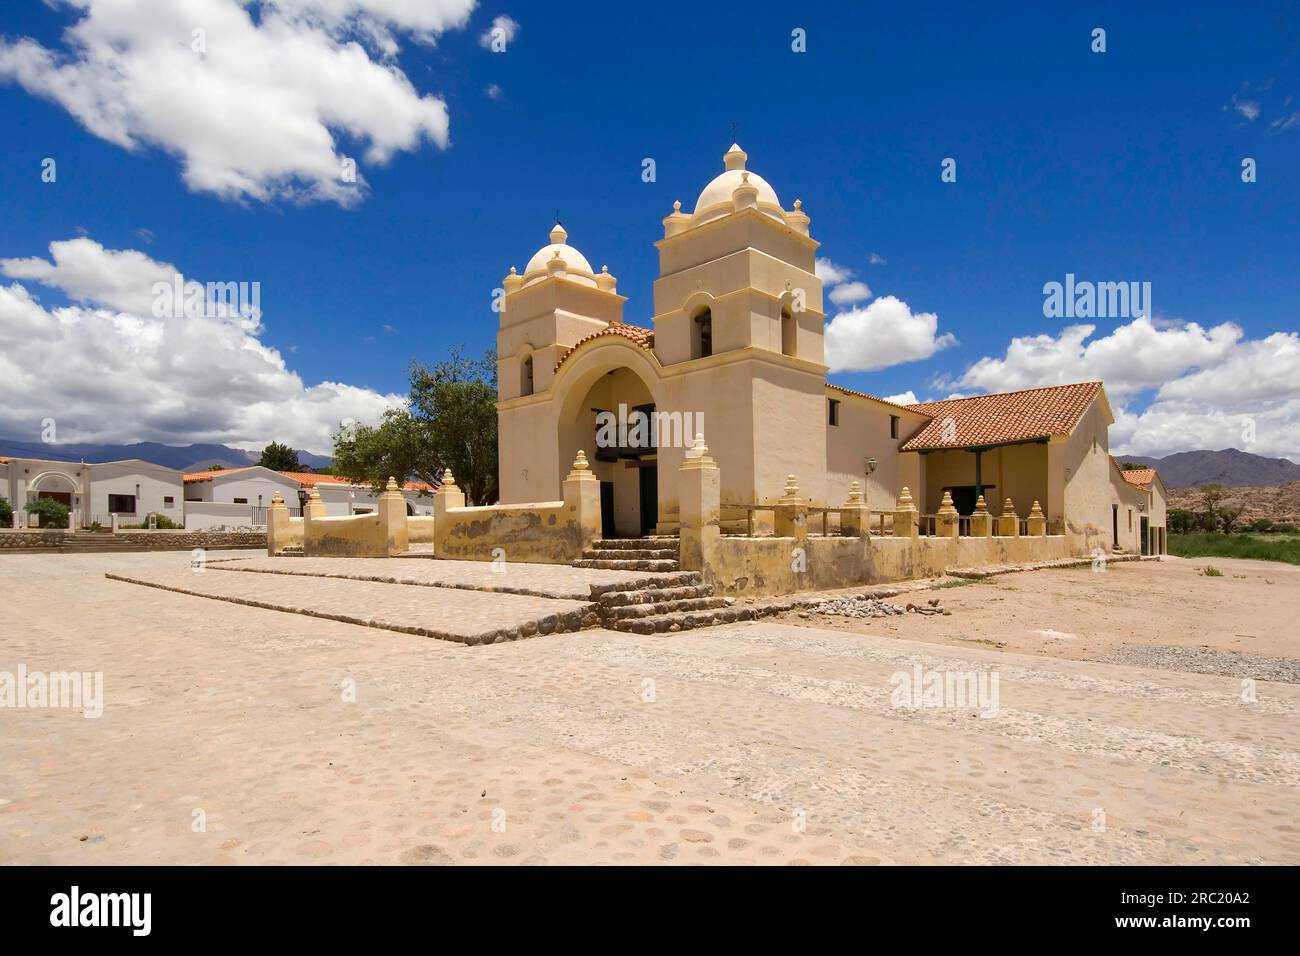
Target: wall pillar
x=1036, y=523
x=981, y=522
x=447, y=496
x=855, y=516
x=581, y=492
x=905, y=516
x=277, y=525
x=699, y=484
x=947, y=520
x=1009, y=521
x=392, y=518
x=791, y=513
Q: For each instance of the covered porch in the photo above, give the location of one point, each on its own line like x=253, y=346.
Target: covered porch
x=1018, y=470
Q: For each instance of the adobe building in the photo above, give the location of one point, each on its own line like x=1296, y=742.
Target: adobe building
x=735, y=351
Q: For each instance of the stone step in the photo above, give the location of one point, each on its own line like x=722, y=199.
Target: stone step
x=622, y=612
x=630, y=554
x=612, y=599
x=659, y=582
x=688, y=620
x=637, y=544
x=605, y=564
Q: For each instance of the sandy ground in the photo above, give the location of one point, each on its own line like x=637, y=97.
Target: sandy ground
x=230, y=736
x=1079, y=614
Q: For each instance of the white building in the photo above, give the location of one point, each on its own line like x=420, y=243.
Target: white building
x=253, y=487
x=130, y=489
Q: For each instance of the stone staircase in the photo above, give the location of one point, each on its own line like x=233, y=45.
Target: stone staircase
x=96, y=542
x=678, y=602
x=632, y=554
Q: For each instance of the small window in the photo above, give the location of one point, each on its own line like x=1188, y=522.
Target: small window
x=121, y=504
x=526, y=377
x=241, y=501
x=789, y=333
x=893, y=426
x=169, y=501
x=833, y=411
x=703, y=335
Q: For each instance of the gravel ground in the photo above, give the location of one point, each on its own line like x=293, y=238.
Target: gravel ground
x=1203, y=660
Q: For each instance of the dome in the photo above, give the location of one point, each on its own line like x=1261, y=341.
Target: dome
x=575, y=263
x=718, y=192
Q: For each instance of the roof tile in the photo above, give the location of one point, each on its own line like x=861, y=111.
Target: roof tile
x=1002, y=418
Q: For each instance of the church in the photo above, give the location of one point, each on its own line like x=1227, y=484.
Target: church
x=735, y=352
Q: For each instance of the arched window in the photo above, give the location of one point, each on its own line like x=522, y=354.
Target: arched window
x=526, y=377
x=789, y=333
x=702, y=335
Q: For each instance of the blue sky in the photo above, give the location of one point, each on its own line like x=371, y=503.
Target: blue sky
x=1115, y=166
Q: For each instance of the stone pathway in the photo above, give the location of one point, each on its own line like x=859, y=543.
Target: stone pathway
x=449, y=613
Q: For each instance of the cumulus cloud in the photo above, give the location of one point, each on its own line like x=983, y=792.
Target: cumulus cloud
x=502, y=32
x=831, y=273
x=849, y=292
x=251, y=105
x=1207, y=387
x=886, y=332
x=903, y=398
x=106, y=369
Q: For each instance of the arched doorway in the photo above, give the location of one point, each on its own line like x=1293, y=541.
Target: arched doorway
x=609, y=414
x=56, y=486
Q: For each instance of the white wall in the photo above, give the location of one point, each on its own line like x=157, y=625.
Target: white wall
x=202, y=515
x=151, y=484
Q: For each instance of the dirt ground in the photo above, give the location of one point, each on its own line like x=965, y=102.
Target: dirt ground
x=1079, y=614
x=239, y=735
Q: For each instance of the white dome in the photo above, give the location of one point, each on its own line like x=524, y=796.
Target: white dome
x=574, y=261
x=718, y=192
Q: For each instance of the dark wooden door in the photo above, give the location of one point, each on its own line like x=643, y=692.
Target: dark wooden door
x=649, y=498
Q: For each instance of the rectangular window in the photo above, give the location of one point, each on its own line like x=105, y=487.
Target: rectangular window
x=121, y=504
x=833, y=411
x=893, y=426
x=169, y=501
x=241, y=501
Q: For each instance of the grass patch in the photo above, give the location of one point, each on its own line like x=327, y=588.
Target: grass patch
x=959, y=583
x=1259, y=547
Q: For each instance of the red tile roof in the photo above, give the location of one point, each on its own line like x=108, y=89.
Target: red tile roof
x=642, y=337
x=307, y=479
x=1139, y=476
x=874, y=398
x=1002, y=418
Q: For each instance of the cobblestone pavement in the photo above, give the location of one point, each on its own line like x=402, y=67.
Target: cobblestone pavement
x=303, y=740
x=455, y=614
x=547, y=580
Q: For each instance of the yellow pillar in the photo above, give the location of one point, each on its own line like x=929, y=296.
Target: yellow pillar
x=947, y=519
x=905, y=516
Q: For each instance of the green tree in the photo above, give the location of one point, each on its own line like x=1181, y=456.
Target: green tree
x=450, y=420
x=1133, y=466
x=279, y=457
x=1180, y=520
x=53, y=514
x=1228, y=518
x=6, y=513
x=1211, y=497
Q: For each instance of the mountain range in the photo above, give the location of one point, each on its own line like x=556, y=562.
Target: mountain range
x=182, y=457
x=1229, y=467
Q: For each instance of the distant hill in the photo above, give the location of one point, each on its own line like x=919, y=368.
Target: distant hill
x=1229, y=467
x=183, y=457
x=1280, y=504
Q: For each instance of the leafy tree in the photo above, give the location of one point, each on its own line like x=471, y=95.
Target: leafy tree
x=1211, y=497
x=6, y=513
x=1228, y=518
x=1180, y=520
x=450, y=420
x=1260, y=526
x=1132, y=466
x=52, y=514
x=215, y=467
x=279, y=457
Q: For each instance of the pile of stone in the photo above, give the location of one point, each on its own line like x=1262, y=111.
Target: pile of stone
x=861, y=606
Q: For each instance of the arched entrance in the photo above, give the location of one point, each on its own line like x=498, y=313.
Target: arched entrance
x=56, y=486
x=608, y=414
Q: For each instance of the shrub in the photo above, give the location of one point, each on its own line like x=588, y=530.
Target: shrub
x=1286, y=528
x=52, y=514
x=1260, y=526
x=6, y=513
x=1210, y=571
x=163, y=523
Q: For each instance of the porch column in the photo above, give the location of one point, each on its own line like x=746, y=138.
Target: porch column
x=979, y=472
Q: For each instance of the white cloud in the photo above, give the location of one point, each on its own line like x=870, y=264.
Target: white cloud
x=504, y=29
x=903, y=398
x=877, y=260
x=107, y=370
x=886, y=332
x=1140, y=355
x=1247, y=108
x=831, y=273
x=850, y=292
x=251, y=106
x=493, y=91
x=1212, y=388
x=1290, y=121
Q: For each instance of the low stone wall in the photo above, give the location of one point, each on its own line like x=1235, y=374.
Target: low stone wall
x=379, y=535
x=419, y=529
x=30, y=540
x=548, y=532
x=773, y=566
